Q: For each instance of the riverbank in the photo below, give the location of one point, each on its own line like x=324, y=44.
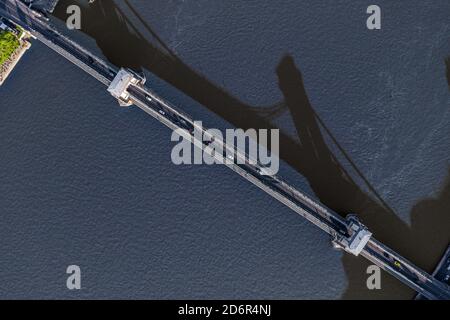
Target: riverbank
x=14, y=46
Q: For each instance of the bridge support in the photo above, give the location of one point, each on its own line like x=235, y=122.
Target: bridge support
x=358, y=236
x=119, y=86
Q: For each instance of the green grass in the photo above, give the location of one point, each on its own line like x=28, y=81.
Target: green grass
x=8, y=44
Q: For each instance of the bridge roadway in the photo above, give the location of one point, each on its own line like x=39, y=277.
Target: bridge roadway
x=148, y=101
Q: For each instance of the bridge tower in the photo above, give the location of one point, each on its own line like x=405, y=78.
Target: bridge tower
x=119, y=86
x=358, y=236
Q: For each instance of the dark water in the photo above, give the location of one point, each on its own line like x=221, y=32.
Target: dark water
x=365, y=119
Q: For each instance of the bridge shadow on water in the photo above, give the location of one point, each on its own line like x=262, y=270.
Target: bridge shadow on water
x=423, y=242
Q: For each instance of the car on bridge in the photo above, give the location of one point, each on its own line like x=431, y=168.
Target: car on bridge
x=447, y=278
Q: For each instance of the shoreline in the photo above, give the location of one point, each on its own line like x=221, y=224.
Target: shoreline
x=8, y=66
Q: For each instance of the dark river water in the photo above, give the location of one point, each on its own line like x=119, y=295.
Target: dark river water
x=364, y=117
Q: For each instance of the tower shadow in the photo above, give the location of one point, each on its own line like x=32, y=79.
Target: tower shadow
x=308, y=154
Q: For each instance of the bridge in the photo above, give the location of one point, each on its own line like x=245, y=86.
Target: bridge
x=129, y=89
